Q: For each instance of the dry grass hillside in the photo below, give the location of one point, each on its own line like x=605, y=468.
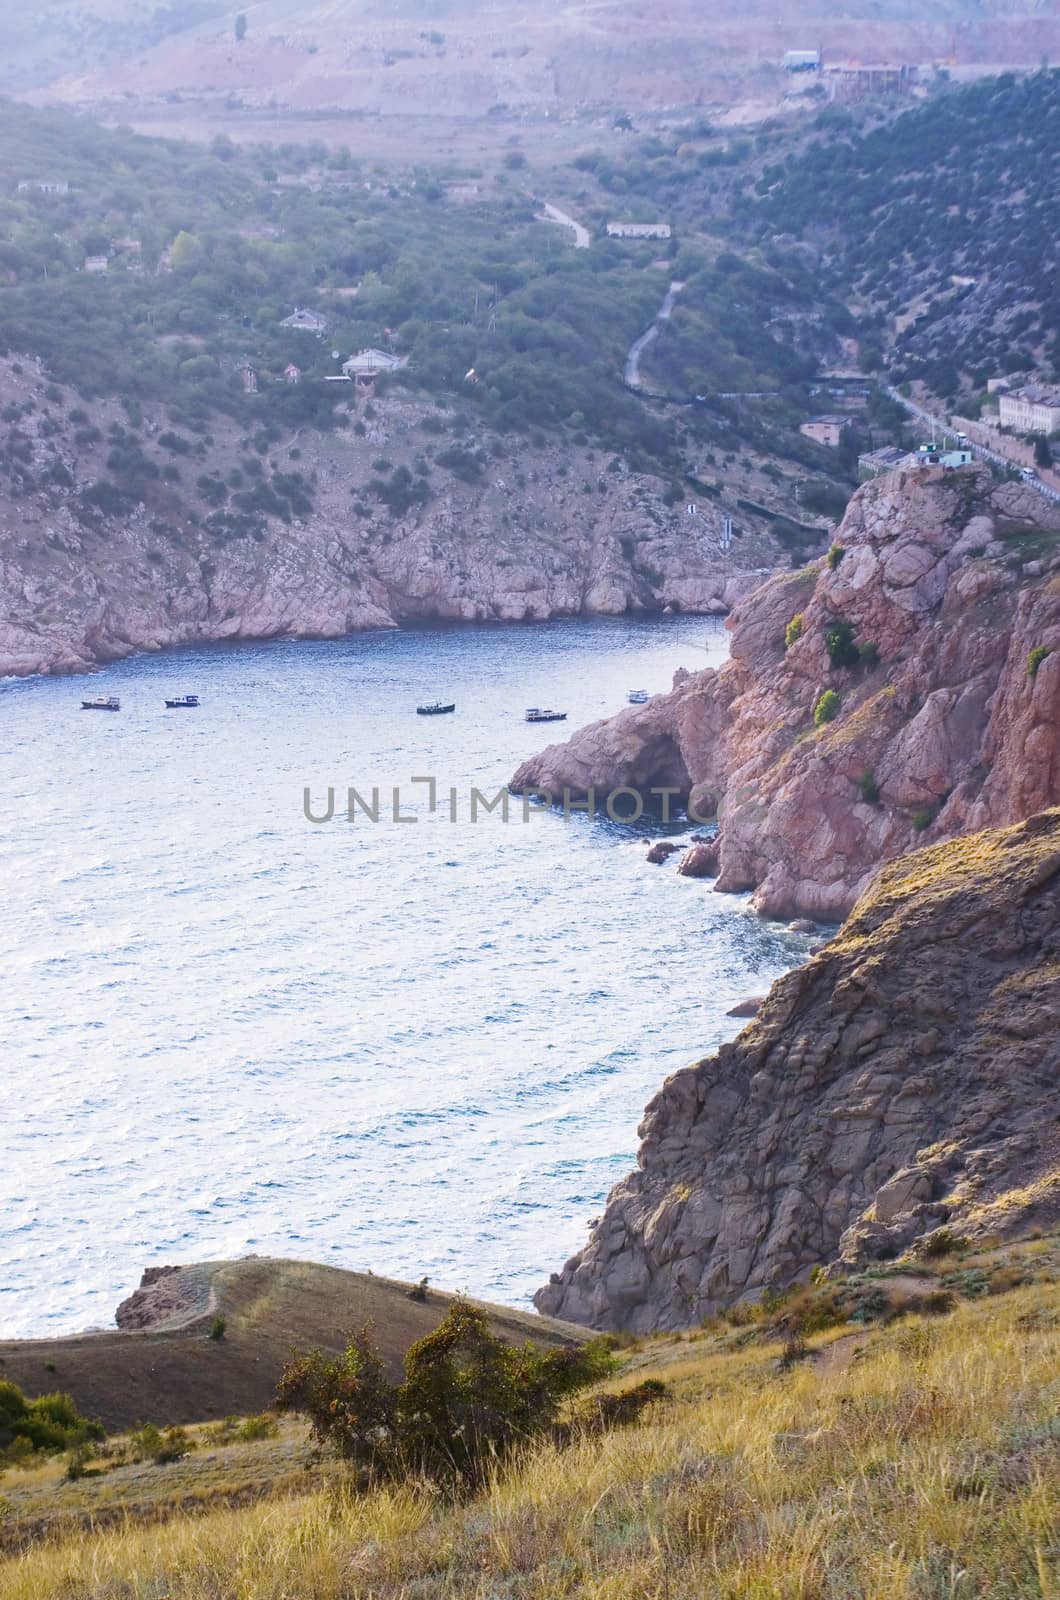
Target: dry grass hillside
x=173, y=1372
x=908, y=1454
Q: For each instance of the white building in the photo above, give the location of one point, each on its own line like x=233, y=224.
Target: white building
x=638, y=230
x=44, y=186
x=305, y=321
x=367, y=365
x=802, y=60
x=1033, y=409
x=96, y=264
x=930, y=455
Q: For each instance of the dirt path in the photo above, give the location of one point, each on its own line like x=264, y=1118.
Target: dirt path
x=638, y=348
x=581, y=234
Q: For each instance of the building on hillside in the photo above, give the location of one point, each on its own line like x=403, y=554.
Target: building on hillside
x=249, y=376
x=639, y=230
x=96, y=264
x=802, y=61
x=943, y=455
x=1032, y=409
x=44, y=186
x=292, y=374
x=824, y=430
x=305, y=321
x=997, y=386
x=368, y=365
x=854, y=81
x=875, y=462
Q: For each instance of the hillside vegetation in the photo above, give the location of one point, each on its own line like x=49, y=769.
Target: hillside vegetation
x=170, y=1370
x=938, y=228
x=909, y=1454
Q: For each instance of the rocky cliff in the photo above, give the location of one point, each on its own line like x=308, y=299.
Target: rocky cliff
x=903, y=690
x=901, y=1083
x=95, y=564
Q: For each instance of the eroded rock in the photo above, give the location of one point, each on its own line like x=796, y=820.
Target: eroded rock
x=902, y=1081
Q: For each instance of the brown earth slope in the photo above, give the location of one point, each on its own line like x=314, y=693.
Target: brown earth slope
x=161, y=1365
x=946, y=583
x=902, y=1084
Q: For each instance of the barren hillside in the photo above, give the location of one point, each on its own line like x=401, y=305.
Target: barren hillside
x=473, y=59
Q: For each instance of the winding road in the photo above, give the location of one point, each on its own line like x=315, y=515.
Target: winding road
x=638, y=348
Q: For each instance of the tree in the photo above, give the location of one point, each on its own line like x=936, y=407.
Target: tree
x=466, y=1401
x=1043, y=455
x=241, y=28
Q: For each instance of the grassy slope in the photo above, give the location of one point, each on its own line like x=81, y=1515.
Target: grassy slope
x=181, y=1375
x=909, y=1460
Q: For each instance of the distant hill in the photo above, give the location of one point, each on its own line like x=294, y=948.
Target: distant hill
x=455, y=56
x=171, y=1371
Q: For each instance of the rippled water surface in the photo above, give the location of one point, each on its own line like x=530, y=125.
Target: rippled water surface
x=412, y=1048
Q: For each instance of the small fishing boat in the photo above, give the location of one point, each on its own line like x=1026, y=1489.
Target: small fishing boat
x=102, y=702
x=435, y=708
x=638, y=697
x=183, y=702
x=535, y=714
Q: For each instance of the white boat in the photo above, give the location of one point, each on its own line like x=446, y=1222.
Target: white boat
x=536, y=714
x=638, y=697
x=102, y=702
x=183, y=702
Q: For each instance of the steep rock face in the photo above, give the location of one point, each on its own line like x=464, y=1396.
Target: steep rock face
x=940, y=729
x=552, y=535
x=903, y=1080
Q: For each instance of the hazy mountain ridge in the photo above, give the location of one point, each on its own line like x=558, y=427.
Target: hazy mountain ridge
x=309, y=55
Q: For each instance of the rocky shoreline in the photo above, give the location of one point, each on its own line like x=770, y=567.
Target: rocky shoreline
x=899, y=1089
x=903, y=690
x=561, y=531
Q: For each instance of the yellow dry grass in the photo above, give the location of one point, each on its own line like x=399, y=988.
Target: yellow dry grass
x=922, y=1469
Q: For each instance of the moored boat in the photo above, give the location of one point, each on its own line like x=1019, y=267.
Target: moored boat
x=183, y=702
x=435, y=708
x=102, y=702
x=638, y=697
x=536, y=714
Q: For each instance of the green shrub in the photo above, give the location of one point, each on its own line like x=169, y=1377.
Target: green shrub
x=839, y=642
x=150, y=1443
x=419, y=1290
x=263, y=1426
x=827, y=708
x=923, y=818
x=218, y=1328
x=466, y=1401
x=870, y=789
x=793, y=631
x=835, y=556
x=47, y=1424
x=1035, y=659
x=869, y=654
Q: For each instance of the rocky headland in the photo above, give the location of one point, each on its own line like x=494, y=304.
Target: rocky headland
x=898, y=1092
x=903, y=690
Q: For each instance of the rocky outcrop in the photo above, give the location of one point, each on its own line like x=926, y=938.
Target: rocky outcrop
x=903, y=1081
x=167, y=1297
x=553, y=535
x=940, y=722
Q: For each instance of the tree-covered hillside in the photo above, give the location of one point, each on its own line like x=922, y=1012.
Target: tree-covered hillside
x=208, y=251
x=939, y=228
